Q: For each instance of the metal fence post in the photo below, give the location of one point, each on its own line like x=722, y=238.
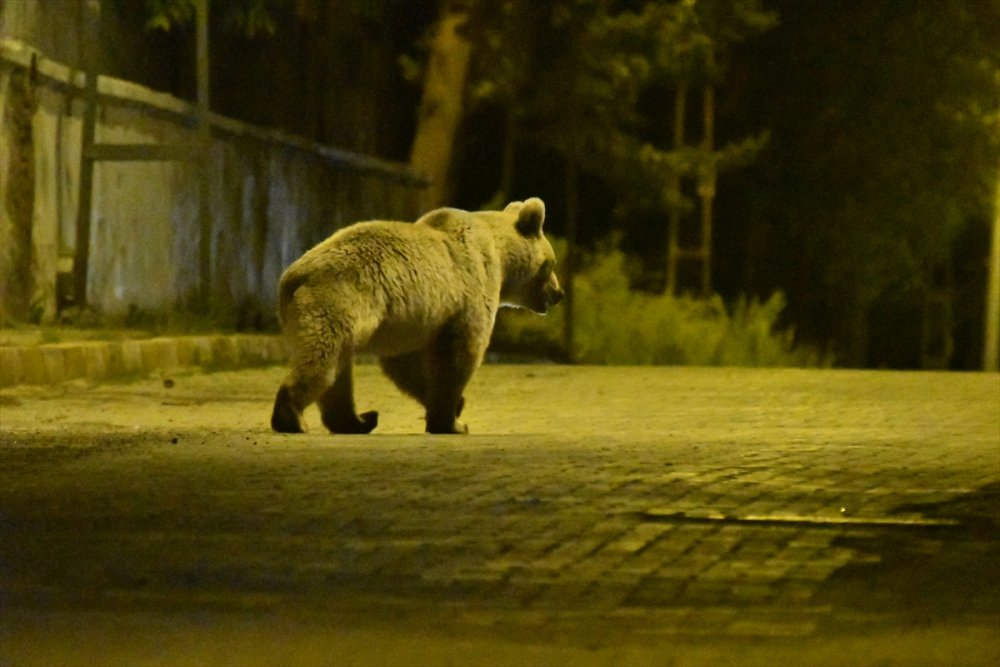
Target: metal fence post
x=81, y=254
x=204, y=141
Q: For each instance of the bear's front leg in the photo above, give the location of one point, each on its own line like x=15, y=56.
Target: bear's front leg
x=452, y=358
x=409, y=373
x=441, y=422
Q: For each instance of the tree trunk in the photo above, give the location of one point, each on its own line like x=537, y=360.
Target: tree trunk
x=17, y=197
x=441, y=107
x=706, y=191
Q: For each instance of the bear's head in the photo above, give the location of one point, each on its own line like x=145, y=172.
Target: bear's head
x=528, y=259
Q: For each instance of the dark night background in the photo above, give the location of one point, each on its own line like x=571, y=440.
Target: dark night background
x=868, y=192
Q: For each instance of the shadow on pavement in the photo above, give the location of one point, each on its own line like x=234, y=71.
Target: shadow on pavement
x=925, y=575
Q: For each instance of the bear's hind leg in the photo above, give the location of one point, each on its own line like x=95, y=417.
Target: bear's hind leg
x=297, y=392
x=285, y=417
x=336, y=404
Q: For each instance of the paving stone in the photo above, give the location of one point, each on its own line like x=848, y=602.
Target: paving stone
x=548, y=518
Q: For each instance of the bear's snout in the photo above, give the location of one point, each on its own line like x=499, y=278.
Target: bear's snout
x=551, y=295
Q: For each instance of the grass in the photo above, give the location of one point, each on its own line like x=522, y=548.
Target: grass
x=616, y=325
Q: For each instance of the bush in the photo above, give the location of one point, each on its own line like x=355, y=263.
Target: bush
x=615, y=325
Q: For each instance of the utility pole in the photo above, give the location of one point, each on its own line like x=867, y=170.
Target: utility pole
x=991, y=334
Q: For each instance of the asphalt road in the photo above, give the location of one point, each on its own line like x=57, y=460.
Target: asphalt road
x=594, y=516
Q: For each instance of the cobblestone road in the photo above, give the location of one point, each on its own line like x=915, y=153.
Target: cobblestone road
x=594, y=516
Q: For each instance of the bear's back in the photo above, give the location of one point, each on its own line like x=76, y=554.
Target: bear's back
x=367, y=243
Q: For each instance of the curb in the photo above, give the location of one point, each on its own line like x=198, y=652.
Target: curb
x=101, y=360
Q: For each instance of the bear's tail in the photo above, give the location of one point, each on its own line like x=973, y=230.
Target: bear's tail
x=289, y=283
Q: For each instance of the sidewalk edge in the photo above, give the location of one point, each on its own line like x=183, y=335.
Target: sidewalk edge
x=102, y=360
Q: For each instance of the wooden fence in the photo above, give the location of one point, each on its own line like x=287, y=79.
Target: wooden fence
x=270, y=196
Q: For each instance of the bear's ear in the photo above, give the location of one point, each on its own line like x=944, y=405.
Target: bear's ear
x=438, y=218
x=530, y=218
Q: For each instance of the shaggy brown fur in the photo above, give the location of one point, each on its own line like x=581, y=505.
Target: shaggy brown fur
x=421, y=296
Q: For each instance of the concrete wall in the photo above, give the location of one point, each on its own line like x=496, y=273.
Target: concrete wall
x=272, y=197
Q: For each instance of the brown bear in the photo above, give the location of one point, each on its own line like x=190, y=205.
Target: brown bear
x=422, y=297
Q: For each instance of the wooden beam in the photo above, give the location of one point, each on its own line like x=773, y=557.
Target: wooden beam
x=689, y=253
x=143, y=152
